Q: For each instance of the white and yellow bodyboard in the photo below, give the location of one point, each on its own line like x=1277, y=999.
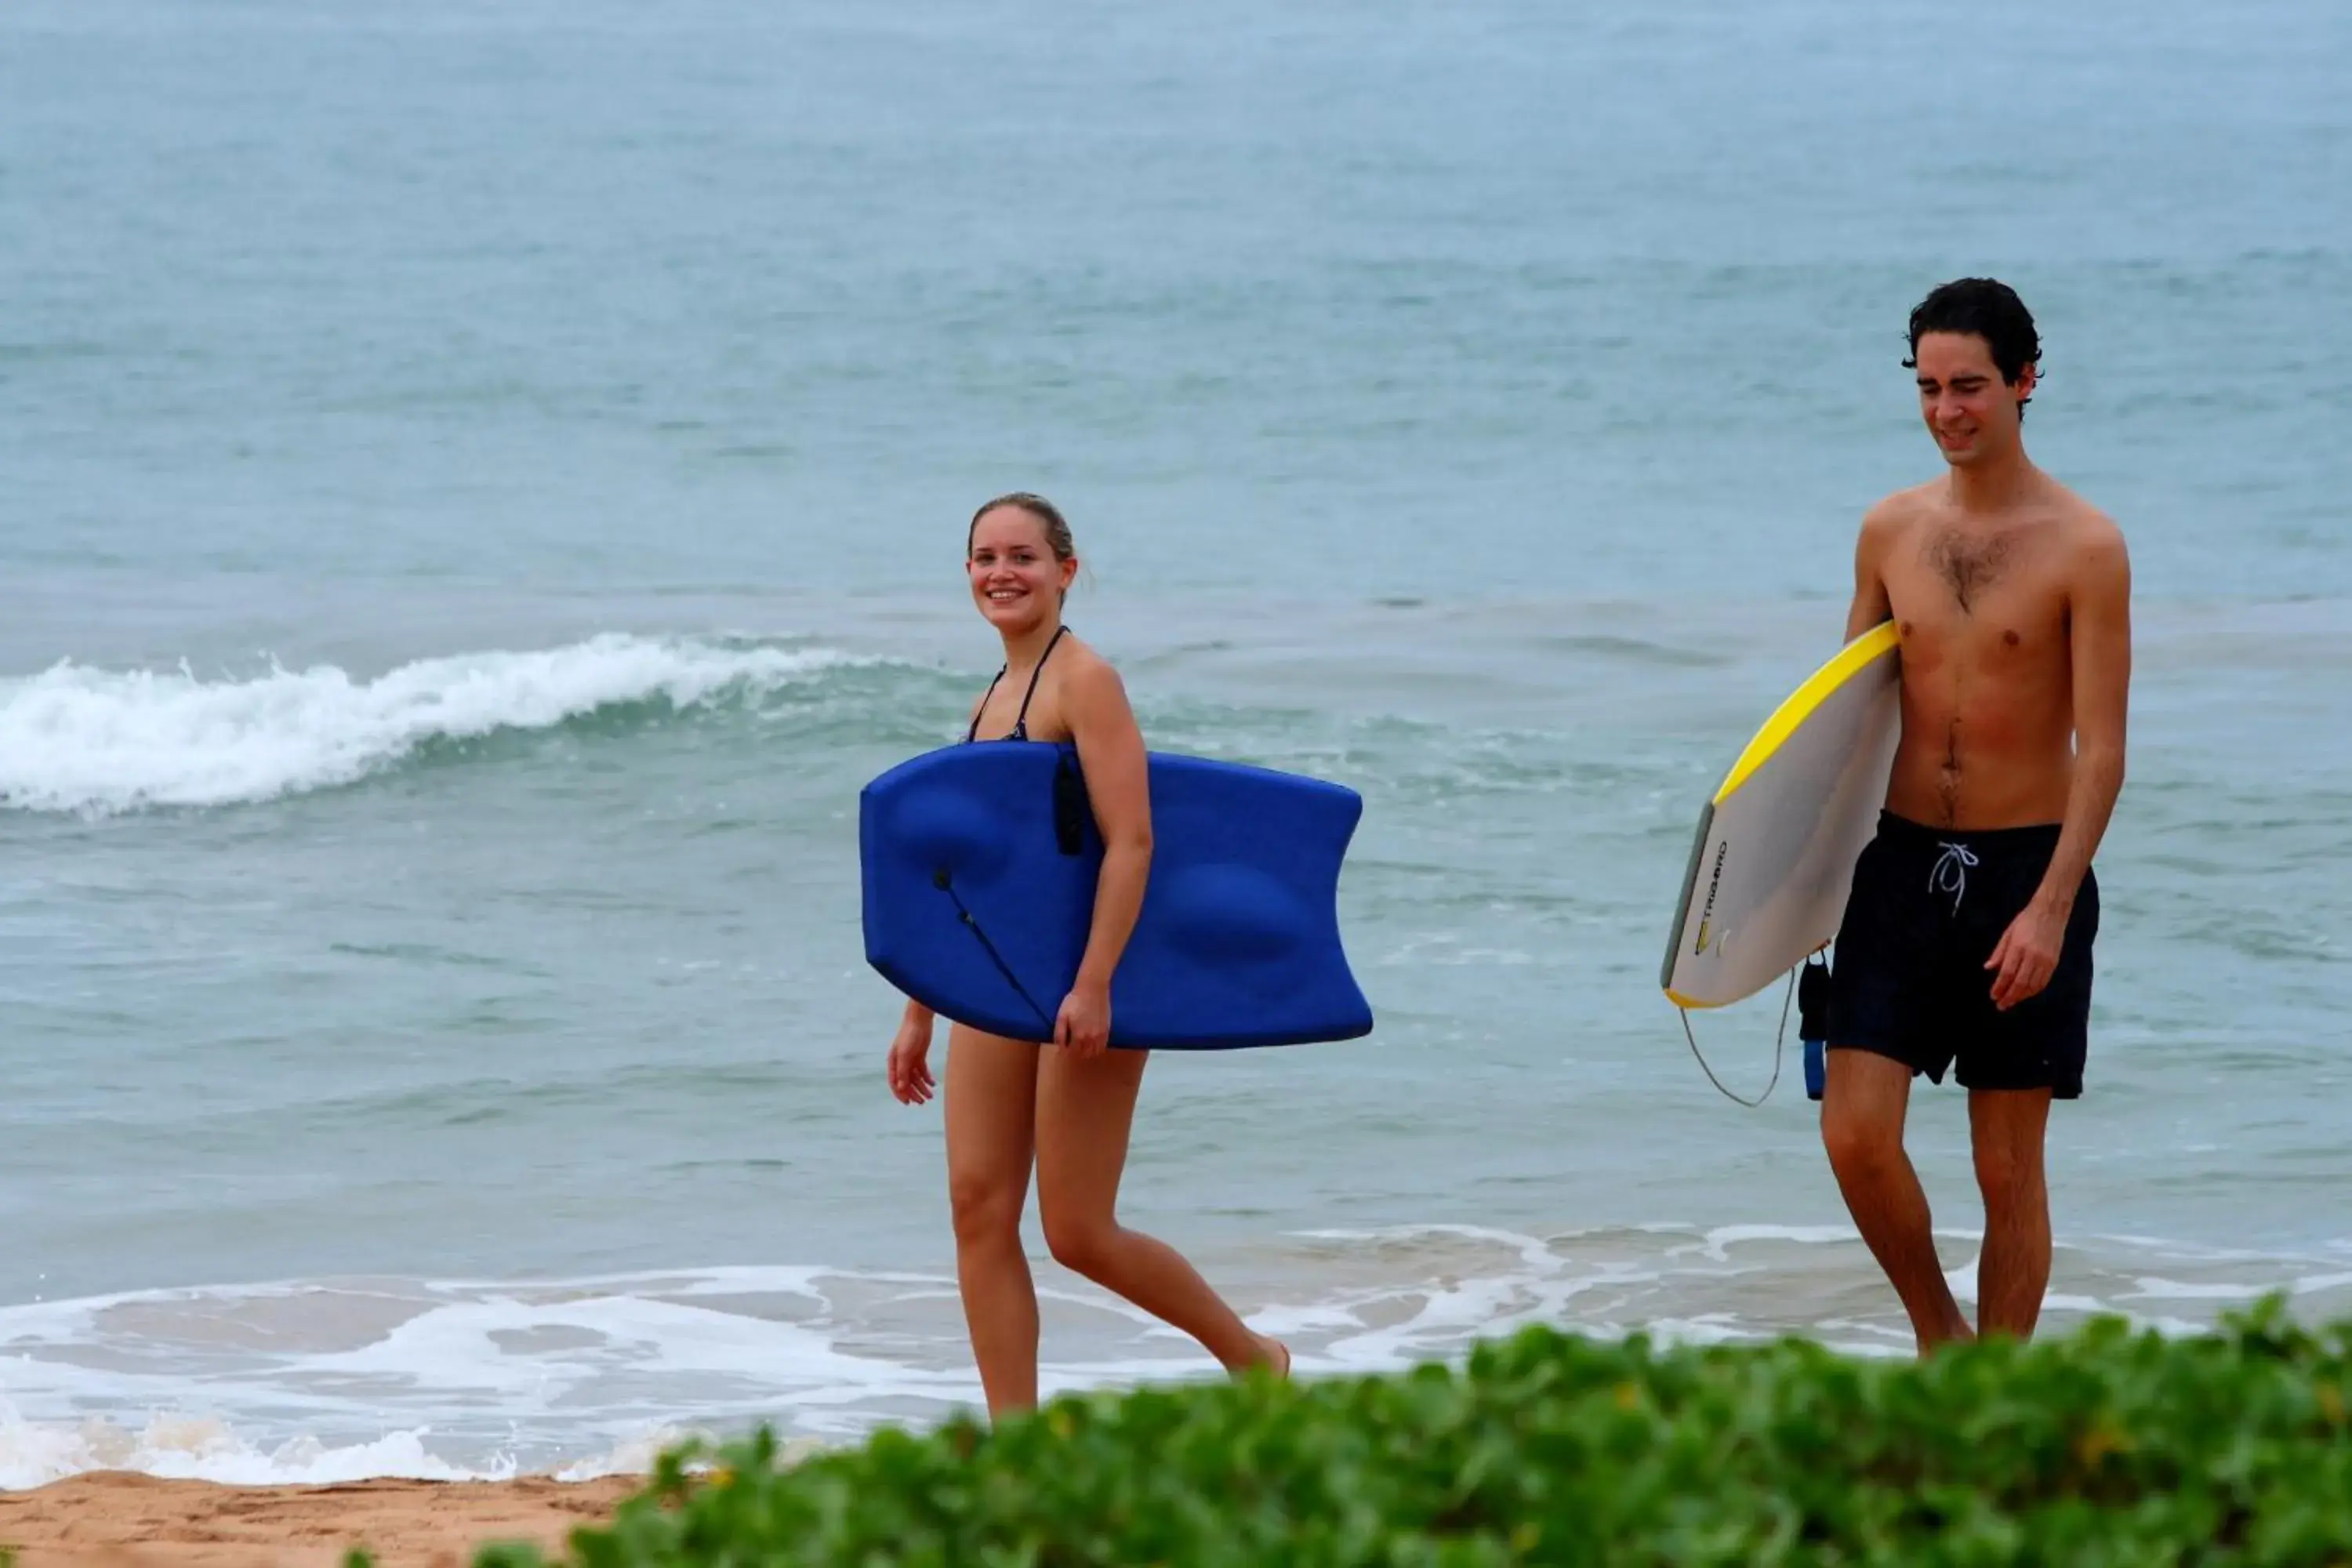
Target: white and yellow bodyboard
x=1774, y=856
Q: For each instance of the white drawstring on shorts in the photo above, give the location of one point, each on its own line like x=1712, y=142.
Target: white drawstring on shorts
x=1950, y=874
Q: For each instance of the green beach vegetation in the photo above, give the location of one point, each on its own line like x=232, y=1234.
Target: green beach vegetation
x=2105, y=1446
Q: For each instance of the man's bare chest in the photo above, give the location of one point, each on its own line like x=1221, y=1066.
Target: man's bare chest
x=1980, y=596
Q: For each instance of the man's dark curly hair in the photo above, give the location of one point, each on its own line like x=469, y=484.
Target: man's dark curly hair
x=1987, y=308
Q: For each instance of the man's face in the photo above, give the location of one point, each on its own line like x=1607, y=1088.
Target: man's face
x=1969, y=411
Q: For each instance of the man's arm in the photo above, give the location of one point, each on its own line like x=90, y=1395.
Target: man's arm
x=2099, y=641
x=2098, y=608
x=1870, y=604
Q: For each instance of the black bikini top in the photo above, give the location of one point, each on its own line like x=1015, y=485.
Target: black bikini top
x=1020, y=724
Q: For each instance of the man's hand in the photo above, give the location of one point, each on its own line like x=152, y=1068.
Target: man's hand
x=2027, y=955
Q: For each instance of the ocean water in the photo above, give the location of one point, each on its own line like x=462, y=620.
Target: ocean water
x=482, y=485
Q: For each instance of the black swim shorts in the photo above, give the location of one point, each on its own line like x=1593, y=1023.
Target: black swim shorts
x=1907, y=975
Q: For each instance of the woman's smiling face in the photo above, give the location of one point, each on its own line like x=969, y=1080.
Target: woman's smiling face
x=1015, y=579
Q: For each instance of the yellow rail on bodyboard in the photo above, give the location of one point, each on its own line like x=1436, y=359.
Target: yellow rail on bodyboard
x=1800, y=704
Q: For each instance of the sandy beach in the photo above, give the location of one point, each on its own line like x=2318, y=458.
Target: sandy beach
x=118, y=1518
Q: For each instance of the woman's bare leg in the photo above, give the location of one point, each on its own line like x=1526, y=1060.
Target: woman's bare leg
x=1084, y=1111
x=991, y=1096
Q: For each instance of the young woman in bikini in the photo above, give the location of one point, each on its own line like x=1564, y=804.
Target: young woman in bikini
x=1065, y=1107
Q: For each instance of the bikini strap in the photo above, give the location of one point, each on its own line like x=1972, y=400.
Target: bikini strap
x=1021, y=721
x=973, y=733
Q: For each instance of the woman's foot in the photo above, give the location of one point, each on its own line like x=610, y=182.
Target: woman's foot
x=1277, y=1357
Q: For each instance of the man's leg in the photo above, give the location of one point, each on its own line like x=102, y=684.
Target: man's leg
x=1863, y=1102
x=2005, y=1128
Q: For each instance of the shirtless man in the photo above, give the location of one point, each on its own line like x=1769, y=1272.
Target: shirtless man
x=1967, y=939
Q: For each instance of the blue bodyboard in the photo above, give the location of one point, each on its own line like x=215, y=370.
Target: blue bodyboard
x=979, y=866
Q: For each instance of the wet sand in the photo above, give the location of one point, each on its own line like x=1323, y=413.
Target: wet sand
x=121, y=1519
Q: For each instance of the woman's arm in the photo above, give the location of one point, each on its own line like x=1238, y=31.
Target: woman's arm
x=1111, y=753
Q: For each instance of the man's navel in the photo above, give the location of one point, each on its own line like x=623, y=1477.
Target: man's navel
x=1947, y=776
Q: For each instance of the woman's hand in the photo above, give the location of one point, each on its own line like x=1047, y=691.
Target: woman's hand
x=1082, y=1026
x=909, y=1067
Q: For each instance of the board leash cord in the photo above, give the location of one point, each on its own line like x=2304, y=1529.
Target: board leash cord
x=946, y=884
x=1780, y=1040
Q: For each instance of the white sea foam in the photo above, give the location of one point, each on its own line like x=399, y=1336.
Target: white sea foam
x=199, y=1447
x=74, y=738
x=325, y=1381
